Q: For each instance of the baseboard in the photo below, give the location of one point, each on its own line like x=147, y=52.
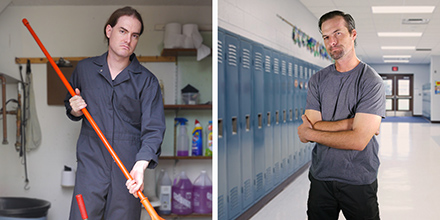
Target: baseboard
x=272, y=194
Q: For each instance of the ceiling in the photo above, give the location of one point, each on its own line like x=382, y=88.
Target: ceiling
x=368, y=25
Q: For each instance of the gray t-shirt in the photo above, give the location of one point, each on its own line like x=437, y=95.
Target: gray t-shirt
x=340, y=96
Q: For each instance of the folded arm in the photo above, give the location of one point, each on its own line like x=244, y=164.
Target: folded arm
x=347, y=134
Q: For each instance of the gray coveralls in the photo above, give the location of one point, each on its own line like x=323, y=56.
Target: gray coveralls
x=129, y=111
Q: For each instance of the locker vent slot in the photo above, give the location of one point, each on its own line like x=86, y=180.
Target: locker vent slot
x=221, y=208
x=232, y=55
x=259, y=182
x=248, y=123
x=295, y=72
x=246, y=59
x=284, y=116
x=290, y=69
x=258, y=61
x=290, y=115
x=301, y=72
x=268, y=119
x=260, y=121
x=234, y=201
x=283, y=68
x=220, y=51
x=277, y=117
x=234, y=125
x=220, y=128
x=276, y=66
x=306, y=73
x=267, y=64
x=247, y=190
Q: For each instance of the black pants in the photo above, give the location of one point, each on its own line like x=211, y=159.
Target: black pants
x=328, y=198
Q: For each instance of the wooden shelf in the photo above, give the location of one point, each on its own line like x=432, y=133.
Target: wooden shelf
x=194, y=215
x=185, y=158
x=183, y=107
x=23, y=60
x=179, y=52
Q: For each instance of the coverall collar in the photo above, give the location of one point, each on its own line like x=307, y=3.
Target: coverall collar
x=134, y=67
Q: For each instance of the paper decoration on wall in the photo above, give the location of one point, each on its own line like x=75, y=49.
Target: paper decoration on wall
x=303, y=40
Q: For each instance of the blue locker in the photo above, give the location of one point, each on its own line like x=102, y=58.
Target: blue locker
x=303, y=94
x=268, y=130
x=299, y=74
x=291, y=116
x=221, y=148
x=258, y=119
x=246, y=127
x=284, y=118
x=233, y=155
x=277, y=120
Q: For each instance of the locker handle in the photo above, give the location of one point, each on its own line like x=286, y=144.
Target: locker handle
x=220, y=128
x=268, y=119
x=284, y=116
x=277, y=117
x=234, y=125
x=248, y=123
x=291, y=115
x=260, y=121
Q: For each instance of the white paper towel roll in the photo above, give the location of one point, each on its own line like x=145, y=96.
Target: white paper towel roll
x=173, y=37
x=188, y=42
x=192, y=31
x=68, y=178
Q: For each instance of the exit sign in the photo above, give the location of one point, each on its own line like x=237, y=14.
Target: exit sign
x=395, y=68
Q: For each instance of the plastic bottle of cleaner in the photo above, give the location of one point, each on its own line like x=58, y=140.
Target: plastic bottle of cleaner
x=159, y=181
x=202, y=194
x=182, y=139
x=197, y=141
x=165, y=194
x=182, y=195
x=208, y=148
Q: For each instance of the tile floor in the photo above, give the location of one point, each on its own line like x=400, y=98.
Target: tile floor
x=408, y=175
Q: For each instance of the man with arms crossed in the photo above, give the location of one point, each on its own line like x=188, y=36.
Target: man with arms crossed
x=345, y=105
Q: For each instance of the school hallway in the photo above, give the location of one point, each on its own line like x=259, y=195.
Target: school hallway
x=408, y=177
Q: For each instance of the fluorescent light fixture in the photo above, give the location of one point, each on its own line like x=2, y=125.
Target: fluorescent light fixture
x=398, y=47
x=399, y=34
x=396, y=61
x=402, y=9
x=396, y=56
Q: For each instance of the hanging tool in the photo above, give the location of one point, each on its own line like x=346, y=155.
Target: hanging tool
x=82, y=207
x=147, y=205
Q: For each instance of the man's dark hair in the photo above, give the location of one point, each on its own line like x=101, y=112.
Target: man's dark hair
x=125, y=11
x=349, y=21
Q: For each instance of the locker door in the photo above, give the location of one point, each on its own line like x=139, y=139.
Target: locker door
x=258, y=120
x=297, y=116
x=291, y=114
x=268, y=114
x=233, y=156
x=301, y=108
x=284, y=118
x=222, y=184
x=246, y=126
x=277, y=120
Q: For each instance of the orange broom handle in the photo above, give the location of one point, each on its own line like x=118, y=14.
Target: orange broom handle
x=144, y=200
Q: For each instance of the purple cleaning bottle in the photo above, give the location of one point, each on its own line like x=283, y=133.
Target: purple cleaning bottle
x=182, y=195
x=202, y=194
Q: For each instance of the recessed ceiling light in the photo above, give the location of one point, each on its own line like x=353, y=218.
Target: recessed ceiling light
x=399, y=34
x=397, y=56
x=396, y=61
x=402, y=9
x=398, y=48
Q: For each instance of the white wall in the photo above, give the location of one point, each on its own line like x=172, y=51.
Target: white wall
x=258, y=21
x=78, y=31
x=421, y=76
x=435, y=98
